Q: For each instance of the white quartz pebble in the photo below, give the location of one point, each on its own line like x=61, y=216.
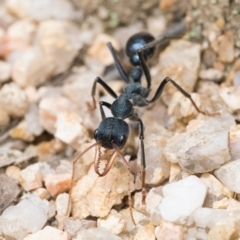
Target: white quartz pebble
x=28, y=216
x=208, y=217
x=181, y=199
x=96, y=234
x=48, y=233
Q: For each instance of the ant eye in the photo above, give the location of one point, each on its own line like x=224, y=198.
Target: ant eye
x=96, y=134
x=122, y=140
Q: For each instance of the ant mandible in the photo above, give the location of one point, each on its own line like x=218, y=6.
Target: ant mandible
x=112, y=133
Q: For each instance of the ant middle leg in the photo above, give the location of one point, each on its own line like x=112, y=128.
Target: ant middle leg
x=187, y=95
x=143, y=160
x=105, y=86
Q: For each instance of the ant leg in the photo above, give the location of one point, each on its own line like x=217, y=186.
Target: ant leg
x=144, y=67
x=143, y=161
x=118, y=64
x=105, y=86
x=187, y=95
x=152, y=44
x=168, y=35
x=106, y=104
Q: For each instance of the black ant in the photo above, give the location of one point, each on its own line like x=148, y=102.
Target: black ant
x=113, y=132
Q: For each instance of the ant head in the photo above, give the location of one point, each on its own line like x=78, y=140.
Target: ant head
x=136, y=42
x=112, y=131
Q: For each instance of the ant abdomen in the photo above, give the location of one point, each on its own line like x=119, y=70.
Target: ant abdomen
x=136, y=42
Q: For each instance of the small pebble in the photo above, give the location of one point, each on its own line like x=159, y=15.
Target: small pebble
x=42, y=193
x=9, y=191
x=70, y=129
x=228, y=174
x=62, y=204
x=96, y=234
x=58, y=183
x=51, y=108
x=14, y=100
x=211, y=74
x=9, y=157
x=32, y=120
x=191, y=149
x=31, y=178
x=17, y=221
x=13, y=172
x=73, y=225
x=231, y=97
x=22, y=30
x=113, y=222
x=226, y=47
x=227, y=228
x=48, y=233
x=208, y=217
x=138, y=218
x=21, y=131
x=145, y=232
x=215, y=187
x=181, y=199
x=169, y=231
x=95, y=196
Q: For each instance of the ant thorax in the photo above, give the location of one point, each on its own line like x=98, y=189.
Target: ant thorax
x=137, y=94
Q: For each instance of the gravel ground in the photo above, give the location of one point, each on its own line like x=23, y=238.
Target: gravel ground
x=50, y=54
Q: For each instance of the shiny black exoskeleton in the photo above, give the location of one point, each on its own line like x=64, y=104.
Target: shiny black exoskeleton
x=136, y=42
x=113, y=131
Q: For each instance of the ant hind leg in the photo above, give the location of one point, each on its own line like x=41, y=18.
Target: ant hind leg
x=187, y=95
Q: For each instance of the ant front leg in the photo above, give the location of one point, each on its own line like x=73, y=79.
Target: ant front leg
x=187, y=95
x=105, y=86
x=106, y=104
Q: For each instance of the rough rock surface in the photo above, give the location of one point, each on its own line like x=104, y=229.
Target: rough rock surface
x=181, y=199
x=203, y=148
x=17, y=221
x=228, y=175
x=158, y=168
x=95, y=196
x=9, y=191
